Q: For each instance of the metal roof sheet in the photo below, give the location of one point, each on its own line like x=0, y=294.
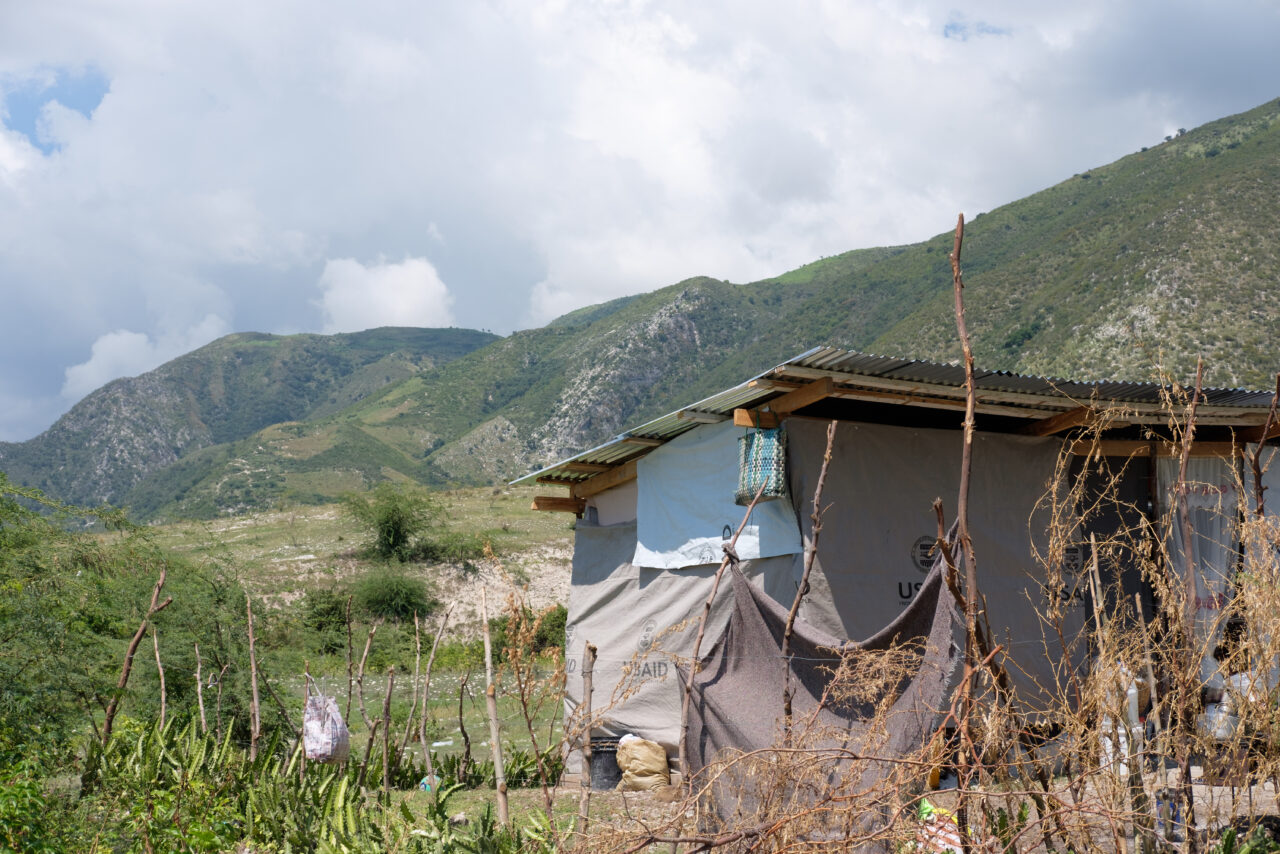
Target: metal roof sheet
x=1032, y=392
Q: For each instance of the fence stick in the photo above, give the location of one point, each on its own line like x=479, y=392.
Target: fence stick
x=255, y=711
x=426, y=698
x=491, y=701
x=584, y=799
x=810, y=554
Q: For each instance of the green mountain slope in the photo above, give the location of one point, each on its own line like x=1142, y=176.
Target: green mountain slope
x=1158, y=258
x=229, y=389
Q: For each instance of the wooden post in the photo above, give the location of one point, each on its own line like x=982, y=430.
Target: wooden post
x=368, y=642
x=810, y=554
x=584, y=798
x=1191, y=667
x=255, y=711
x=491, y=701
x=386, y=731
x=417, y=661
x=350, y=675
x=204, y=724
x=155, y=641
x=426, y=698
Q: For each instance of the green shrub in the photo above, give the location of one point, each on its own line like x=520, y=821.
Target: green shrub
x=395, y=516
x=393, y=595
x=324, y=612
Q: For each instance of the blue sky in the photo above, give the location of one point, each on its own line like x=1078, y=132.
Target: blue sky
x=173, y=172
x=80, y=90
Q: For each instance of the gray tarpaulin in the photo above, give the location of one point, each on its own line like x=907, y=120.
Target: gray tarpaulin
x=872, y=557
x=737, y=703
x=638, y=619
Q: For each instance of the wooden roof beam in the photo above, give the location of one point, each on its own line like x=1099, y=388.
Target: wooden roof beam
x=586, y=468
x=1072, y=418
x=606, y=480
x=1246, y=414
x=560, y=504
x=762, y=418
x=803, y=396
x=1256, y=434
x=1143, y=448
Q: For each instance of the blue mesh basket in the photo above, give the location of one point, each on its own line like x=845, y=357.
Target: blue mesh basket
x=762, y=460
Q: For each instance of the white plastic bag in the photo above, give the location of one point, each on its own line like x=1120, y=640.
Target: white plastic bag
x=325, y=737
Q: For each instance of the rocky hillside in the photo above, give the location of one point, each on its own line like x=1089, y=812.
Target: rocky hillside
x=227, y=390
x=1162, y=256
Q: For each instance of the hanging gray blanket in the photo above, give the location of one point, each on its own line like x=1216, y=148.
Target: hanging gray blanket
x=737, y=701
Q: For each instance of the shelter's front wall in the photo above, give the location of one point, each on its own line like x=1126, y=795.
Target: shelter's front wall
x=641, y=620
x=880, y=523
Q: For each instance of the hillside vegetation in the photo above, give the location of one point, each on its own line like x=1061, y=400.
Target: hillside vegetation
x=1160, y=257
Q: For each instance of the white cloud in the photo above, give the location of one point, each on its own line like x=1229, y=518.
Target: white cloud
x=123, y=353
x=357, y=297
x=569, y=152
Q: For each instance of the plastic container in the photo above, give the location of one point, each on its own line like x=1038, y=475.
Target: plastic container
x=605, y=773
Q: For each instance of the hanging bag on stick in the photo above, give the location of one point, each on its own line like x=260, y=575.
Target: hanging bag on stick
x=325, y=737
x=762, y=460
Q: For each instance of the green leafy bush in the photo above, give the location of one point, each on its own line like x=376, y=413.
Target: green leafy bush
x=407, y=524
x=393, y=595
x=395, y=517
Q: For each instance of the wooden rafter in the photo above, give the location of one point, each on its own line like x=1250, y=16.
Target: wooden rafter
x=761, y=418
x=1223, y=415
x=1142, y=448
x=1256, y=434
x=1061, y=422
x=559, y=504
x=802, y=396
x=642, y=441
x=606, y=480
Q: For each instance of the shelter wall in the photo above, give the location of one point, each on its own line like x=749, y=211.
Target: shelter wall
x=641, y=620
x=880, y=523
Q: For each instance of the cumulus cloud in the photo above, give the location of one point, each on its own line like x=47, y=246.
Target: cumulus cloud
x=123, y=353
x=185, y=160
x=357, y=297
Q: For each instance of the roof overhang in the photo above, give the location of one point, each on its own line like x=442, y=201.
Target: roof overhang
x=1039, y=406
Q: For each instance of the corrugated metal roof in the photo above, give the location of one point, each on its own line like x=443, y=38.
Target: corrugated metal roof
x=1012, y=392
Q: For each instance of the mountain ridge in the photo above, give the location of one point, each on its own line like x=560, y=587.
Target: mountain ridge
x=1148, y=262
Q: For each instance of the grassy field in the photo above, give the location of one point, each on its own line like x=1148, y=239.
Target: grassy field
x=278, y=555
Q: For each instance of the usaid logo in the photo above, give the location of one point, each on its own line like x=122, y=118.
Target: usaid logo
x=921, y=553
x=646, y=635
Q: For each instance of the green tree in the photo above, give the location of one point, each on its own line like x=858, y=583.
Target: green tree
x=397, y=518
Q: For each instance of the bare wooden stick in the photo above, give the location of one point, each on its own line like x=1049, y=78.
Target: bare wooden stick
x=1190, y=670
x=417, y=661
x=491, y=702
x=155, y=641
x=426, y=696
x=368, y=642
x=204, y=724
x=386, y=731
x=968, y=765
x=154, y=608
x=464, y=764
x=729, y=555
x=350, y=673
x=584, y=779
x=255, y=711
x=811, y=552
